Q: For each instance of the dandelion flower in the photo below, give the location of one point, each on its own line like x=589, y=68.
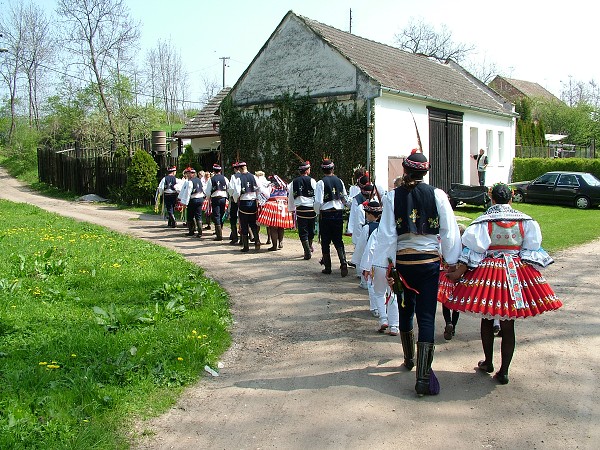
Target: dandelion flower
x=179, y=358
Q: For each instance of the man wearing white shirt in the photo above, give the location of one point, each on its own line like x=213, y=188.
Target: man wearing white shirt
x=413, y=215
x=301, y=198
x=216, y=189
x=245, y=192
x=330, y=200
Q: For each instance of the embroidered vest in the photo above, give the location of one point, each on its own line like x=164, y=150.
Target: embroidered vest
x=506, y=235
x=302, y=187
x=248, y=183
x=170, y=182
x=196, y=186
x=218, y=183
x=415, y=210
x=332, y=188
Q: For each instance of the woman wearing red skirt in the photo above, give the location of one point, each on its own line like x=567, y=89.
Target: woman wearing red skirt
x=275, y=213
x=497, y=277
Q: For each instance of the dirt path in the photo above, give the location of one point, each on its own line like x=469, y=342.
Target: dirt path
x=307, y=369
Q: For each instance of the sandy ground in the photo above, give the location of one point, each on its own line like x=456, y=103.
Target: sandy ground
x=307, y=368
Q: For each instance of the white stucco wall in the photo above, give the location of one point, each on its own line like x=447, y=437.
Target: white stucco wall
x=295, y=60
x=395, y=135
x=204, y=144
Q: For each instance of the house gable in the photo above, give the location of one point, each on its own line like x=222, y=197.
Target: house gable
x=296, y=60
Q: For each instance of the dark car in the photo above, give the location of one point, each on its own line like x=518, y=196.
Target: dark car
x=569, y=188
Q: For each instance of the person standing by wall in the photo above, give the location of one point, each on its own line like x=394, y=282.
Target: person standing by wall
x=330, y=201
x=482, y=163
x=301, y=198
x=413, y=216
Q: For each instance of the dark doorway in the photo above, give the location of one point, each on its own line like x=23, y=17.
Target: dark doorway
x=445, y=147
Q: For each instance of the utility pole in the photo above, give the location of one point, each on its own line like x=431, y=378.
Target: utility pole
x=224, y=58
x=350, y=20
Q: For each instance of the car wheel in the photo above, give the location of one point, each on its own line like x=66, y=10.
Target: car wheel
x=582, y=202
x=518, y=196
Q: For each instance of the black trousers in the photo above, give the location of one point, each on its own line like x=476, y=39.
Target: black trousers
x=331, y=226
x=195, y=210
x=233, y=219
x=170, y=202
x=305, y=222
x=248, y=210
x=218, y=209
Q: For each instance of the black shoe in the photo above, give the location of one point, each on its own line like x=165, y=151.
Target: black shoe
x=482, y=365
x=448, y=331
x=502, y=378
x=496, y=329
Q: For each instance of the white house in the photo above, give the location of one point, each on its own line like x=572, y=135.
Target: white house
x=456, y=114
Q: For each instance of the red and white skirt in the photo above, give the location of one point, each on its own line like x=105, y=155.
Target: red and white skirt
x=207, y=206
x=275, y=213
x=445, y=287
x=502, y=287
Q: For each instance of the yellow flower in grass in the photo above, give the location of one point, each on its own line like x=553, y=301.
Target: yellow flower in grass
x=52, y=366
x=43, y=363
x=73, y=355
x=116, y=265
x=179, y=358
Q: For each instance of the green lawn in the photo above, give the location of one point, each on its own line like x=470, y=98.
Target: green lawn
x=562, y=226
x=95, y=329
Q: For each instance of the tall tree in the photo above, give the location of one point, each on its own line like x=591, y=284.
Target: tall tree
x=100, y=33
x=12, y=29
x=422, y=38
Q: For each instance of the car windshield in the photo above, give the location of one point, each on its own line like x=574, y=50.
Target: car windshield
x=590, y=179
x=547, y=178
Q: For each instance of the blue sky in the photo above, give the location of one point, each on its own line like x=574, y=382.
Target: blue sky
x=533, y=40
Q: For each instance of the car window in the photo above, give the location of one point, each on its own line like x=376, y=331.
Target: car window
x=568, y=180
x=590, y=179
x=547, y=178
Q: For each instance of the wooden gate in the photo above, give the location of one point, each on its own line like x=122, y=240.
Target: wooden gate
x=445, y=147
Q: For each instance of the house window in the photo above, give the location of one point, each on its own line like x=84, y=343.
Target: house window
x=501, y=148
x=489, y=144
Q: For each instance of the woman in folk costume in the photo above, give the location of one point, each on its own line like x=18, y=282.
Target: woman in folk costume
x=497, y=278
x=414, y=214
x=275, y=214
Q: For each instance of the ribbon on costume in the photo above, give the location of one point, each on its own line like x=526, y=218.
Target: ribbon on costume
x=513, y=281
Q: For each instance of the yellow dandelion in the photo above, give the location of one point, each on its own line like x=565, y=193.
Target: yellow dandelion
x=179, y=358
x=73, y=355
x=116, y=265
x=42, y=363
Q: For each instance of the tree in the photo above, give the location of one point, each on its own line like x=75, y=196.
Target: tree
x=422, y=38
x=100, y=33
x=211, y=88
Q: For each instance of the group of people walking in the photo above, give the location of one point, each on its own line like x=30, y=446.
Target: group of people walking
x=409, y=252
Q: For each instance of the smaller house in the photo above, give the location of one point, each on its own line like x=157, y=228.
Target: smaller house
x=203, y=129
x=515, y=90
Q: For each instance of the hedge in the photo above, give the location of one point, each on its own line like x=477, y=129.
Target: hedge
x=525, y=169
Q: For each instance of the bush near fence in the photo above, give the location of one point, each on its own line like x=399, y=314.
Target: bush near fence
x=526, y=169
x=100, y=175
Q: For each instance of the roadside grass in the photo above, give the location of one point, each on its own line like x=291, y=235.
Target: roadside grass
x=96, y=329
x=561, y=226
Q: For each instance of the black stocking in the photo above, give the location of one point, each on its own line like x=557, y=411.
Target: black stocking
x=508, y=344
x=487, y=340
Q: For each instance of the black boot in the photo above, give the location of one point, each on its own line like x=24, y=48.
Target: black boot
x=343, y=263
x=256, y=234
x=408, y=348
x=245, y=245
x=424, y=360
x=191, y=227
x=172, y=221
x=233, y=237
x=218, y=232
x=199, y=227
x=306, y=247
x=326, y=261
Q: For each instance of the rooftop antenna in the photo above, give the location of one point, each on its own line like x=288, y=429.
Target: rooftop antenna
x=350, y=20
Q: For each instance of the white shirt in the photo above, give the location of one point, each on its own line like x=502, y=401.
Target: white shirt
x=388, y=241
x=237, y=189
x=300, y=200
x=217, y=193
x=319, y=192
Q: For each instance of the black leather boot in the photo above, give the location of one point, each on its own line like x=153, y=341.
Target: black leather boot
x=306, y=247
x=326, y=261
x=245, y=245
x=408, y=348
x=191, y=223
x=424, y=360
x=199, y=227
x=218, y=232
x=341, y=251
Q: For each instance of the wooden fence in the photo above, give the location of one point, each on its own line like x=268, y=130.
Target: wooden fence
x=91, y=175
x=556, y=151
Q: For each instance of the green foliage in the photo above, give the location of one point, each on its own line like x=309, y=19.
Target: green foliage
x=141, y=178
x=68, y=382
x=526, y=169
x=530, y=132
x=581, y=123
x=187, y=159
x=270, y=138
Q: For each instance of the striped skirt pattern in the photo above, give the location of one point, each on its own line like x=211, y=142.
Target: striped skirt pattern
x=275, y=213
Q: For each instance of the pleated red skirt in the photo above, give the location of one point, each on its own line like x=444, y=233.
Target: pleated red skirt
x=485, y=291
x=275, y=213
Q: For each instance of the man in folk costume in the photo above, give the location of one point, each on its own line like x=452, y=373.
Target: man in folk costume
x=301, y=198
x=194, y=219
x=233, y=206
x=185, y=191
x=413, y=216
x=245, y=193
x=216, y=190
x=330, y=201
x=167, y=188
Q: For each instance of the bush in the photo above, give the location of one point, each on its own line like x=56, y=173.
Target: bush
x=526, y=169
x=187, y=158
x=141, y=179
